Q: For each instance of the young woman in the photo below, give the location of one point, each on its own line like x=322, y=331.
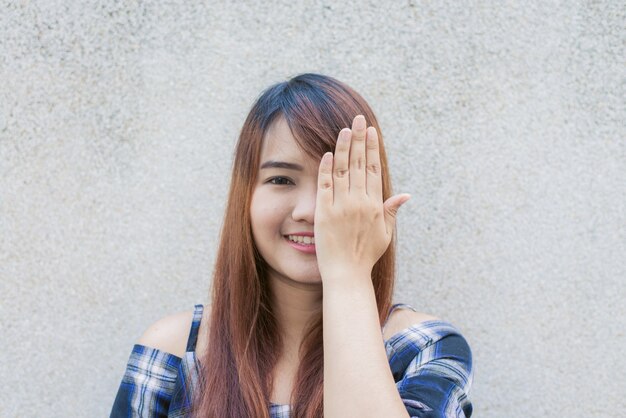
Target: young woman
x=302, y=285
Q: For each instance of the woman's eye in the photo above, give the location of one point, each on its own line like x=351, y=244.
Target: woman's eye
x=281, y=181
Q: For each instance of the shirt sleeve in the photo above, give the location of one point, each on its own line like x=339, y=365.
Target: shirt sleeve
x=432, y=366
x=148, y=383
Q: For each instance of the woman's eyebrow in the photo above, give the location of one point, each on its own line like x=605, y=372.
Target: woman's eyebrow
x=281, y=164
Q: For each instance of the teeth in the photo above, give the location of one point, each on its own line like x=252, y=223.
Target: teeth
x=302, y=240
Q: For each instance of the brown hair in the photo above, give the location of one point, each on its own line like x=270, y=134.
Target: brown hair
x=244, y=343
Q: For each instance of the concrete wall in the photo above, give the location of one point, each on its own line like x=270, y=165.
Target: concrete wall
x=505, y=121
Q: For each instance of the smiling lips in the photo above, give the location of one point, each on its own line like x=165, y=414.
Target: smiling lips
x=302, y=241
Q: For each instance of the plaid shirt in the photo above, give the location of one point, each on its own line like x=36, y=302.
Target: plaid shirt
x=431, y=363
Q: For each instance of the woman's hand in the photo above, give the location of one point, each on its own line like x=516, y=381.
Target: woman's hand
x=353, y=227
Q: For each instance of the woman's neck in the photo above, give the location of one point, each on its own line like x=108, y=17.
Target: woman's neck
x=294, y=305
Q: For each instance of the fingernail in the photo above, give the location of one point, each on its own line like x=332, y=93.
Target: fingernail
x=359, y=122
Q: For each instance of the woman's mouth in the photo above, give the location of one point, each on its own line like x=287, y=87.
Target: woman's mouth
x=303, y=243
x=301, y=239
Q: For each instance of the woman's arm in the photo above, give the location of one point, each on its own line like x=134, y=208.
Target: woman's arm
x=431, y=362
x=357, y=377
x=148, y=383
x=353, y=228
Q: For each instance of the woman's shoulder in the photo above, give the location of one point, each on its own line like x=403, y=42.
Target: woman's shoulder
x=426, y=353
x=404, y=317
x=170, y=334
x=409, y=334
x=406, y=327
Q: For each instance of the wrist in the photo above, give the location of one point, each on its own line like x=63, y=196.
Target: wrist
x=347, y=278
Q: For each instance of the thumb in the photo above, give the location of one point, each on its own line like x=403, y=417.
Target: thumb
x=391, y=207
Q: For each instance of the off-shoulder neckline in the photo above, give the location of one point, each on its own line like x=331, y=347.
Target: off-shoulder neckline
x=390, y=340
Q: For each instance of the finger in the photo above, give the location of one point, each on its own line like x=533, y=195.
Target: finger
x=325, y=181
x=341, y=161
x=357, y=155
x=391, y=207
x=373, y=169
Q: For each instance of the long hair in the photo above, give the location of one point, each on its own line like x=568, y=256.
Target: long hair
x=244, y=343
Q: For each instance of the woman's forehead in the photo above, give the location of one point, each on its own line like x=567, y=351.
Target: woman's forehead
x=279, y=144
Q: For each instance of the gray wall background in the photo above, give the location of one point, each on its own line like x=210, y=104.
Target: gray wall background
x=504, y=120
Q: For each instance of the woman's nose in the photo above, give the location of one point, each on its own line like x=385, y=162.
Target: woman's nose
x=304, y=207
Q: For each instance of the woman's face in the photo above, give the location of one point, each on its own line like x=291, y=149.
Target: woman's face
x=283, y=207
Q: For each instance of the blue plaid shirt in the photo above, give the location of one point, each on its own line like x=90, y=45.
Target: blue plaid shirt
x=431, y=363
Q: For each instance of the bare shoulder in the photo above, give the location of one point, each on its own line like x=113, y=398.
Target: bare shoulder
x=169, y=334
x=403, y=318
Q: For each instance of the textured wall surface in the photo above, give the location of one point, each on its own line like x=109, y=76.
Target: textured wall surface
x=504, y=120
